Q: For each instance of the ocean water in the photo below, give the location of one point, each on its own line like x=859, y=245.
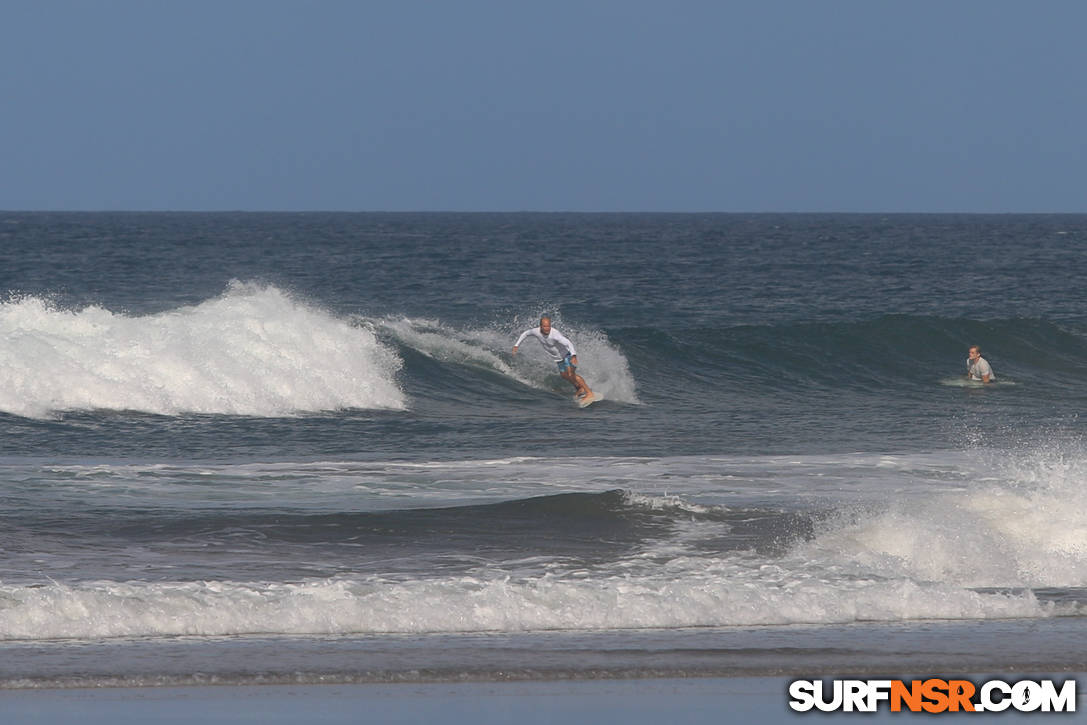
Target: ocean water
x=245, y=448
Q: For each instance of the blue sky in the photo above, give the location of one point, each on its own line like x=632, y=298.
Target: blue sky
x=860, y=105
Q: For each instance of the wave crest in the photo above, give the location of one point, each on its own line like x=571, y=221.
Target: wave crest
x=487, y=350
x=255, y=350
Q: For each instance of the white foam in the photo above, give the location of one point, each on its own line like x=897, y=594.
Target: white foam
x=603, y=365
x=910, y=537
x=255, y=350
x=665, y=503
x=473, y=348
x=1017, y=521
x=672, y=582
x=481, y=603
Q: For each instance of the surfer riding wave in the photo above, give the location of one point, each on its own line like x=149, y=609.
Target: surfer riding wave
x=562, y=352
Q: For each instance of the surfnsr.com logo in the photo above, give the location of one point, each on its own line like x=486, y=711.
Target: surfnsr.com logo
x=932, y=695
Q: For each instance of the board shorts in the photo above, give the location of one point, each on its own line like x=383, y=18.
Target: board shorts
x=565, y=364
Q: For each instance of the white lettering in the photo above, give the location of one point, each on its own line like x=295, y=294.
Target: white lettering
x=1026, y=696
x=878, y=690
x=802, y=693
x=855, y=695
x=1063, y=701
x=820, y=697
x=988, y=704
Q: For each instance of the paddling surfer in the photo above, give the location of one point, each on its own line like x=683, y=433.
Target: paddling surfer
x=562, y=352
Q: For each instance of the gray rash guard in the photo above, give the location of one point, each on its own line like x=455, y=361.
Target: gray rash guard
x=978, y=369
x=555, y=343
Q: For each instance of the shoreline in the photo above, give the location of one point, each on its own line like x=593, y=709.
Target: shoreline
x=854, y=650
x=427, y=679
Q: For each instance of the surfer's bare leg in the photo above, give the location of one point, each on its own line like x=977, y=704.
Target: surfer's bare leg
x=583, y=387
x=578, y=382
x=569, y=376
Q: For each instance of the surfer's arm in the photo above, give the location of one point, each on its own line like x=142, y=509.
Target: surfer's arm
x=521, y=339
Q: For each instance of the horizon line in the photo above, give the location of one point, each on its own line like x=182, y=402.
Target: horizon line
x=533, y=211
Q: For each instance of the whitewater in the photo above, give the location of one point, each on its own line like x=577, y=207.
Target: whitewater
x=243, y=353
x=940, y=547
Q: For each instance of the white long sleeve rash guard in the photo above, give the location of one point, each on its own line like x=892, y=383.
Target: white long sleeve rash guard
x=554, y=343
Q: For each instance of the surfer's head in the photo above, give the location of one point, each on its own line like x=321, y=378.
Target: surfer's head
x=974, y=352
x=545, y=325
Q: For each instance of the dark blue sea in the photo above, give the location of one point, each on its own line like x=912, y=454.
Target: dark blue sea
x=246, y=448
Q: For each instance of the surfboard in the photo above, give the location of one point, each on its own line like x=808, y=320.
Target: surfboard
x=964, y=382
x=586, y=402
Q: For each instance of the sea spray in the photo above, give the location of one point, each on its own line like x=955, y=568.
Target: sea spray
x=255, y=350
x=1014, y=520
